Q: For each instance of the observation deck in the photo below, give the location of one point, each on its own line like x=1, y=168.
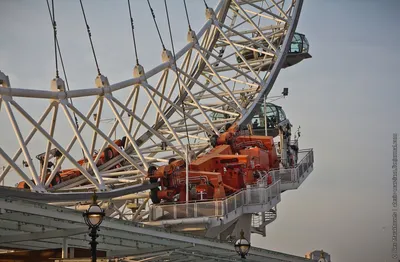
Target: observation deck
x=223, y=217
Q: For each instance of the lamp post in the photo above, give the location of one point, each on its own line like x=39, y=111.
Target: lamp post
x=242, y=246
x=93, y=217
x=322, y=258
x=265, y=115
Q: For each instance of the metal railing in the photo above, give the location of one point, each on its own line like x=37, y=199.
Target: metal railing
x=218, y=208
x=292, y=175
x=256, y=194
x=261, y=219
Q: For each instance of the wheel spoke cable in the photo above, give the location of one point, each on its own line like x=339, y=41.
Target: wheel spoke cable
x=133, y=32
x=155, y=22
x=58, y=50
x=187, y=15
x=178, y=75
x=90, y=38
x=54, y=24
x=205, y=3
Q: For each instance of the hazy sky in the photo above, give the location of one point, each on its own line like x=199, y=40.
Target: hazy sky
x=346, y=99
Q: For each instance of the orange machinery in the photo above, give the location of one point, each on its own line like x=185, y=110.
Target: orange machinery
x=234, y=162
x=67, y=174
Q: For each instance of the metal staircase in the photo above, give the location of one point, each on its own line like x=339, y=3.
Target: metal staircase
x=290, y=179
x=261, y=219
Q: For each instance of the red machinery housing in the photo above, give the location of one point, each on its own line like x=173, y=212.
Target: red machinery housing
x=235, y=162
x=67, y=174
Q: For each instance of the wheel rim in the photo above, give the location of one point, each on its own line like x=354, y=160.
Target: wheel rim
x=207, y=89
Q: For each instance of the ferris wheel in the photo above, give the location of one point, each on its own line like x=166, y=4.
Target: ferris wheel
x=172, y=111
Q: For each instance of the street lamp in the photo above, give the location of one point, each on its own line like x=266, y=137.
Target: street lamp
x=242, y=245
x=93, y=217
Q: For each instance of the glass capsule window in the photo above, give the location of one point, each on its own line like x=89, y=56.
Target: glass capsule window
x=216, y=116
x=281, y=114
x=274, y=115
x=297, y=44
x=306, y=45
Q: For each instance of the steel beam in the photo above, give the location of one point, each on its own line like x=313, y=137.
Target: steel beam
x=43, y=235
x=39, y=214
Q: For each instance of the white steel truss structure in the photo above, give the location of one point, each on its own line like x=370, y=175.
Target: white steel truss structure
x=205, y=76
x=220, y=77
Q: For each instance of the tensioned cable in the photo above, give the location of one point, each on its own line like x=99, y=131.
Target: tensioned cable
x=155, y=22
x=178, y=75
x=57, y=45
x=187, y=15
x=133, y=32
x=53, y=21
x=90, y=38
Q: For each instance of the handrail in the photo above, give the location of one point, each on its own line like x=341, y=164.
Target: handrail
x=307, y=160
x=259, y=193
x=217, y=208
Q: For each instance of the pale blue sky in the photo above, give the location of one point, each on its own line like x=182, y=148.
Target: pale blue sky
x=346, y=99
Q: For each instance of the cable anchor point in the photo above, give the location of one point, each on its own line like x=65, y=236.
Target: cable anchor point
x=57, y=84
x=4, y=80
x=101, y=81
x=191, y=36
x=167, y=56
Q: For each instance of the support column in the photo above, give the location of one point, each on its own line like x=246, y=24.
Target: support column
x=64, y=253
x=244, y=223
x=71, y=252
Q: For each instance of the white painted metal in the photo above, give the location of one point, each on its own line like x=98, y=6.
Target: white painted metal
x=48, y=147
x=187, y=174
x=70, y=145
x=27, y=140
x=292, y=24
x=208, y=80
x=84, y=147
x=131, y=140
x=25, y=217
x=16, y=168
x=265, y=115
x=22, y=144
x=107, y=138
x=247, y=201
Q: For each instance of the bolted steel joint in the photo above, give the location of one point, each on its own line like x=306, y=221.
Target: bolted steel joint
x=210, y=13
x=4, y=80
x=138, y=71
x=57, y=84
x=191, y=37
x=101, y=81
x=168, y=57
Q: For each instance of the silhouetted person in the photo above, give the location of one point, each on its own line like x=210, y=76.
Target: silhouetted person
x=255, y=124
